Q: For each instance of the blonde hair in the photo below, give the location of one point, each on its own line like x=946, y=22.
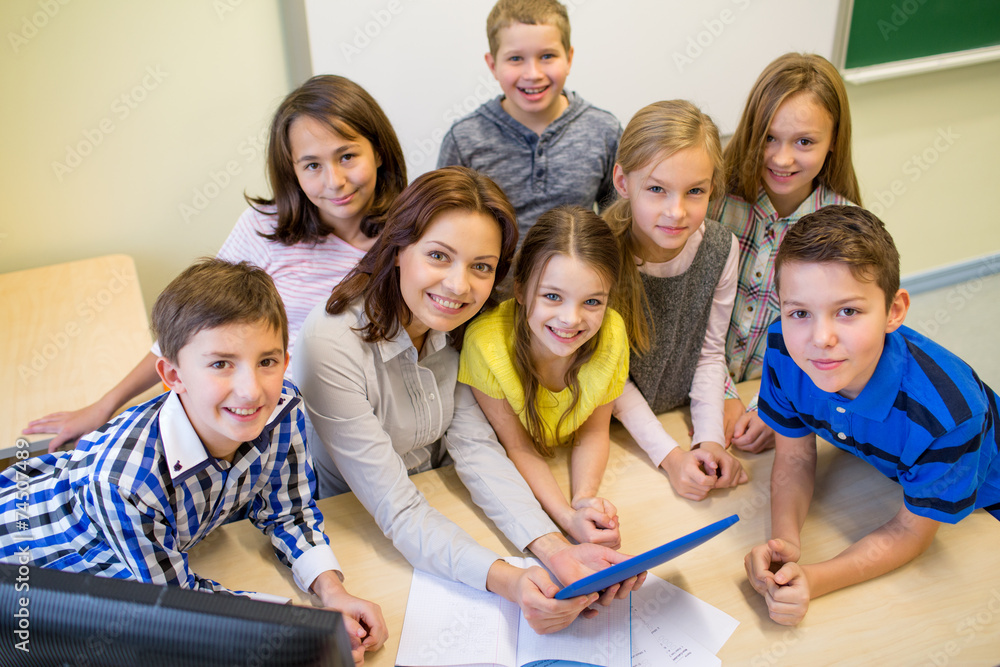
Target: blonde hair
x=789, y=75
x=656, y=132
x=576, y=232
x=529, y=12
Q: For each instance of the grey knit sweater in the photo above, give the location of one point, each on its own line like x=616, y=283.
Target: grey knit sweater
x=681, y=305
x=571, y=162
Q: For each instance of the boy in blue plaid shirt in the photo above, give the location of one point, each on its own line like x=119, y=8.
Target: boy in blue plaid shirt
x=137, y=494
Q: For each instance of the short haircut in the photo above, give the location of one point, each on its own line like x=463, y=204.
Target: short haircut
x=847, y=235
x=529, y=12
x=211, y=293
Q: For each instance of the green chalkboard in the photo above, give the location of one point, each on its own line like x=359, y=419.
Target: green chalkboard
x=885, y=31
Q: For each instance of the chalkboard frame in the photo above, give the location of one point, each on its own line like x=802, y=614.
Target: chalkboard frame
x=902, y=67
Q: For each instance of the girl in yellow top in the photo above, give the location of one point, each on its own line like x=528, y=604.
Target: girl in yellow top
x=546, y=365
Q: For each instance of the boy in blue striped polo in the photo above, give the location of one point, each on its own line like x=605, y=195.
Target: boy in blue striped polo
x=841, y=365
x=137, y=494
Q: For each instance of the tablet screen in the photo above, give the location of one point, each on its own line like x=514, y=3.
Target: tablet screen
x=633, y=566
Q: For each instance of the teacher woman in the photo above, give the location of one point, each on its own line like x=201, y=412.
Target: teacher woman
x=378, y=368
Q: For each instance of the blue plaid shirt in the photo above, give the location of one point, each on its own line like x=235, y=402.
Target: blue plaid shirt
x=137, y=494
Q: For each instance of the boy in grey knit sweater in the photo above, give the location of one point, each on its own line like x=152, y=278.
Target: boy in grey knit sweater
x=543, y=146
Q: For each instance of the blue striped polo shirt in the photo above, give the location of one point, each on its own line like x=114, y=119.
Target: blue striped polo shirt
x=924, y=420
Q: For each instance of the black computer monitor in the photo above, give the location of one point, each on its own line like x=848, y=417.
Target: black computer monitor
x=48, y=617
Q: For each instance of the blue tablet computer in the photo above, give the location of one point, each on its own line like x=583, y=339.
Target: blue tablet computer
x=633, y=566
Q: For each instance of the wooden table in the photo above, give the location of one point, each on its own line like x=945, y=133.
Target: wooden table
x=941, y=609
x=70, y=332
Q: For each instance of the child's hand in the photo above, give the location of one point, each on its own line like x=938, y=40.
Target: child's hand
x=715, y=460
x=365, y=625
x=69, y=426
x=686, y=475
x=733, y=409
x=752, y=434
x=363, y=619
x=594, y=520
x=763, y=558
x=788, y=595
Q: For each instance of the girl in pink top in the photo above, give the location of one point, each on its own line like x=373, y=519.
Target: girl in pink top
x=677, y=290
x=334, y=165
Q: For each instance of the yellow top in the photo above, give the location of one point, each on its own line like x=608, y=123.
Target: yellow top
x=487, y=363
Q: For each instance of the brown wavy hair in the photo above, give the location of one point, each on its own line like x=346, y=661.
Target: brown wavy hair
x=344, y=107
x=376, y=277
x=655, y=132
x=575, y=232
x=788, y=75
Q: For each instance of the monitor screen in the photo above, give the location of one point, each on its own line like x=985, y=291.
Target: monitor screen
x=61, y=618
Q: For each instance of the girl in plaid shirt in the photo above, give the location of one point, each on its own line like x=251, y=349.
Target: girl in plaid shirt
x=790, y=156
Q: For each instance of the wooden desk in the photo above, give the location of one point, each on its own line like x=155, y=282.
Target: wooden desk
x=941, y=609
x=70, y=333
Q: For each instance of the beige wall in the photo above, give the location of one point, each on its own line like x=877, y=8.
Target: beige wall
x=926, y=151
x=200, y=80
x=154, y=98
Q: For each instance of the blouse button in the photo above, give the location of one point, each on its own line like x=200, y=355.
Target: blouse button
x=431, y=397
x=841, y=410
x=842, y=436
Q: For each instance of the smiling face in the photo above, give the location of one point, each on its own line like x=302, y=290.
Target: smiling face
x=565, y=308
x=229, y=381
x=447, y=275
x=336, y=174
x=531, y=67
x=834, y=325
x=797, y=144
x=669, y=201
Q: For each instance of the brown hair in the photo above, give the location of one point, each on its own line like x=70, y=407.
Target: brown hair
x=848, y=235
x=575, y=232
x=529, y=12
x=376, y=277
x=788, y=75
x=212, y=293
x=344, y=107
x=655, y=132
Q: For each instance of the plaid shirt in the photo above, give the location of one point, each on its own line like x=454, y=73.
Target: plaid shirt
x=760, y=232
x=136, y=495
